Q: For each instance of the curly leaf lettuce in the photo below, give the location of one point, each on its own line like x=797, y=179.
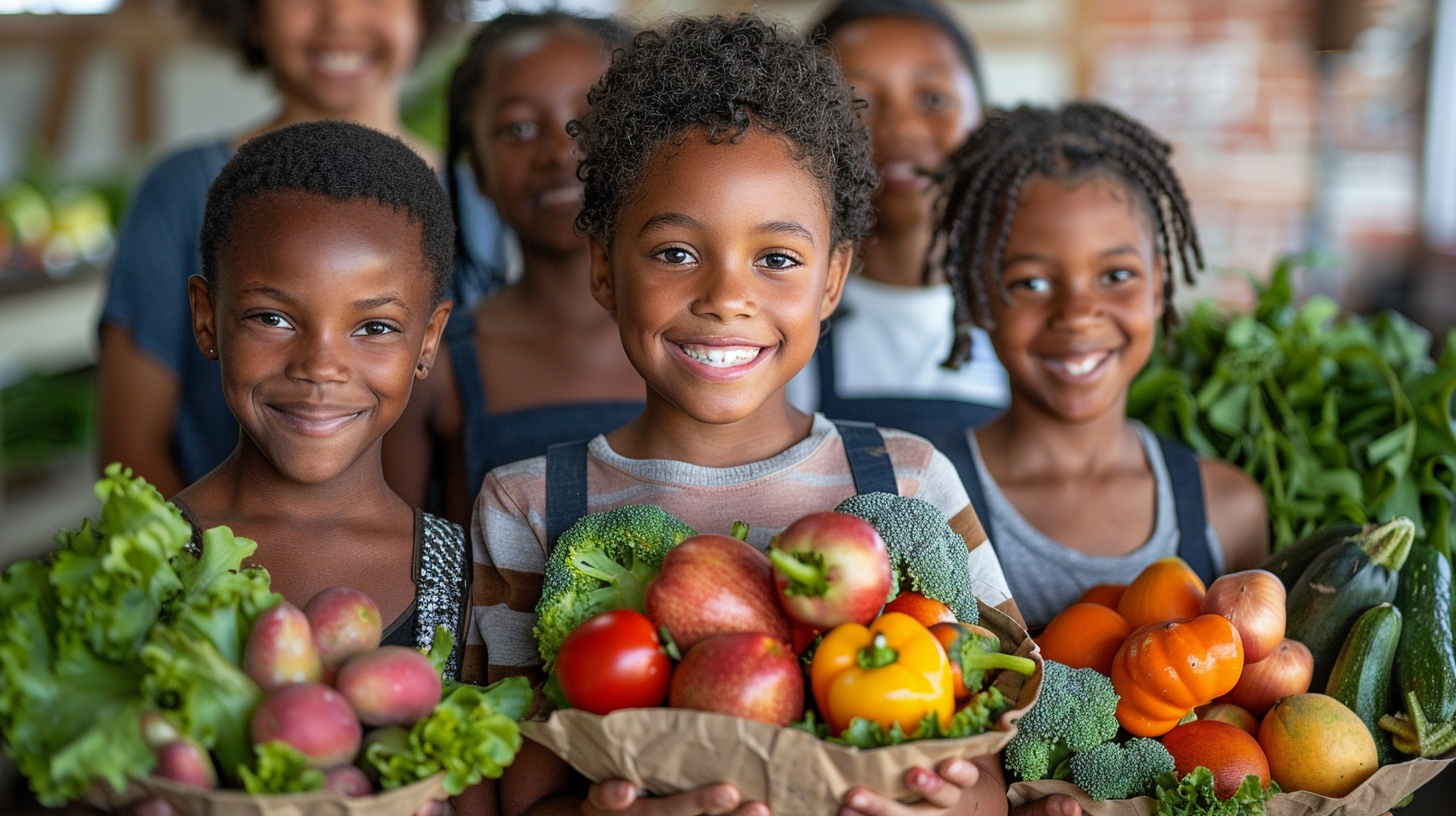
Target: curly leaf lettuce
x=280, y=768
x=976, y=716
x=1193, y=795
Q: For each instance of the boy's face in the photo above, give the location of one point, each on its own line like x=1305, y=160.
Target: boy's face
x=523, y=158
x=1085, y=295
x=322, y=319
x=720, y=271
x=338, y=57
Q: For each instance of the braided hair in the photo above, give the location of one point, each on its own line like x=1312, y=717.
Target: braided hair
x=469, y=77
x=983, y=179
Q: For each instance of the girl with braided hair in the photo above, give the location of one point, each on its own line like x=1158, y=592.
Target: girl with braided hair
x=1063, y=233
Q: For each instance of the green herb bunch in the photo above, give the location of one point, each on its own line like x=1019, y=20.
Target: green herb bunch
x=1336, y=416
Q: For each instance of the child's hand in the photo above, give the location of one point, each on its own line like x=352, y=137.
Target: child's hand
x=948, y=789
x=1058, y=804
x=614, y=796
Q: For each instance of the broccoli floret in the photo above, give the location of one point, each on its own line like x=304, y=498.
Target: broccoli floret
x=981, y=654
x=926, y=555
x=1120, y=770
x=1076, y=709
x=602, y=562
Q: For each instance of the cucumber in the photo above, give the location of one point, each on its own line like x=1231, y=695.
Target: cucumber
x=1361, y=676
x=1342, y=582
x=1291, y=562
x=1425, y=663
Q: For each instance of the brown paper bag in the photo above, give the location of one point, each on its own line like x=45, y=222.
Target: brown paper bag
x=672, y=750
x=1378, y=794
x=191, y=801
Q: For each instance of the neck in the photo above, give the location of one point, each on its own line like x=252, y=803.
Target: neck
x=896, y=255
x=663, y=431
x=252, y=486
x=1044, y=442
x=380, y=113
x=557, y=286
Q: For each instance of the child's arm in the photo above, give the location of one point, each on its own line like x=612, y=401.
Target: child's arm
x=1237, y=511
x=137, y=400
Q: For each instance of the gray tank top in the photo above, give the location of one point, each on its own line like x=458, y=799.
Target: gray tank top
x=1046, y=577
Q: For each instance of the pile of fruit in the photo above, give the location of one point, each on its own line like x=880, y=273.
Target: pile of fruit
x=123, y=657
x=795, y=637
x=1213, y=689
x=50, y=227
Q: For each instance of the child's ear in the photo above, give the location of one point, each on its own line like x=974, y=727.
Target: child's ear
x=1159, y=281
x=431, y=346
x=601, y=275
x=204, y=320
x=839, y=262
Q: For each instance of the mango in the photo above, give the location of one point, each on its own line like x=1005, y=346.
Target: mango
x=280, y=649
x=392, y=685
x=345, y=622
x=184, y=761
x=313, y=718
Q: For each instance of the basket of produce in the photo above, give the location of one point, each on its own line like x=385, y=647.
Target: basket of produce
x=1323, y=683
x=787, y=674
x=131, y=669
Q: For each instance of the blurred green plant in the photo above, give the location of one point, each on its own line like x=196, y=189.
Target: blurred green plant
x=45, y=417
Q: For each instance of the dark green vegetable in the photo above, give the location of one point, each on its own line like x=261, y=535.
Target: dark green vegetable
x=1119, y=770
x=1425, y=663
x=1413, y=734
x=1362, y=672
x=1336, y=417
x=1291, y=562
x=1075, y=710
x=1340, y=584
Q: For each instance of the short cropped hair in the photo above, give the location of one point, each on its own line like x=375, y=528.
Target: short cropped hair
x=341, y=161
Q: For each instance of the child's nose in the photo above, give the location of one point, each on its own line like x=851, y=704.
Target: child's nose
x=727, y=293
x=1075, y=305
x=339, y=14
x=318, y=359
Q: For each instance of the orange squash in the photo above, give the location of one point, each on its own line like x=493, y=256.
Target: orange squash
x=1164, y=590
x=1107, y=595
x=1167, y=669
x=1084, y=636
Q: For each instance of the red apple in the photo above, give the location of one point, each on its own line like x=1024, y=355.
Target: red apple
x=712, y=585
x=831, y=568
x=744, y=674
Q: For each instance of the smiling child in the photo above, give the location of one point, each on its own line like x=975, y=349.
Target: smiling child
x=1065, y=232
x=728, y=181
x=326, y=248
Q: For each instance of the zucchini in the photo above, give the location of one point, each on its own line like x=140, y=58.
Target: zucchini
x=1425, y=664
x=1291, y=562
x=1361, y=676
x=1342, y=582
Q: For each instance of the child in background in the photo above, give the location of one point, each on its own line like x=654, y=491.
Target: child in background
x=1065, y=231
x=881, y=360
x=326, y=249
x=162, y=410
x=540, y=362
x=728, y=180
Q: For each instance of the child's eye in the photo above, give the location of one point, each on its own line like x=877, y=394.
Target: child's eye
x=1030, y=285
x=676, y=256
x=375, y=328
x=523, y=130
x=935, y=100
x=1118, y=275
x=272, y=320
x=778, y=260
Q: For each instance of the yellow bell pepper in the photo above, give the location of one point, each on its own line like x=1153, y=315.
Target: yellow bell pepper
x=893, y=671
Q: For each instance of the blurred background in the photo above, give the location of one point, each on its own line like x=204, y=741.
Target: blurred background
x=1320, y=127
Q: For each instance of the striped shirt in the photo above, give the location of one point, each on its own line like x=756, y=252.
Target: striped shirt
x=508, y=533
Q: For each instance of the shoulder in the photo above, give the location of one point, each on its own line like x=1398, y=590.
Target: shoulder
x=187, y=170
x=1237, y=511
x=925, y=473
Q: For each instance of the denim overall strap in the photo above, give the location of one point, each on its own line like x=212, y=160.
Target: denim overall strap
x=869, y=461
x=565, y=487
x=460, y=340
x=1187, y=483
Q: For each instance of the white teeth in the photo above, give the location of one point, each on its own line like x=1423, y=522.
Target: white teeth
x=1083, y=365
x=341, y=62
x=721, y=356
x=899, y=171
x=561, y=195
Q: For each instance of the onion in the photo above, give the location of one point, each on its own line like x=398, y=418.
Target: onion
x=1253, y=601
x=1287, y=670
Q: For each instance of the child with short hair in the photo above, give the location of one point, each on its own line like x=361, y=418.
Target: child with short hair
x=728, y=181
x=326, y=249
x=1065, y=231
x=539, y=362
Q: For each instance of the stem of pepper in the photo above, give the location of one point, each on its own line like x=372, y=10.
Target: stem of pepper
x=878, y=654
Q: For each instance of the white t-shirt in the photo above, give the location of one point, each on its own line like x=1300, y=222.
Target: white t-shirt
x=890, y=341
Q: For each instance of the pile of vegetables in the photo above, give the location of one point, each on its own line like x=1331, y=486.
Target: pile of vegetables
x=872, y=602
x=1336, y=417
x=124, y=655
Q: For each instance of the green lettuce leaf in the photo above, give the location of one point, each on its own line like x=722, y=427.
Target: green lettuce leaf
x=280, y=768
x=1193, y=795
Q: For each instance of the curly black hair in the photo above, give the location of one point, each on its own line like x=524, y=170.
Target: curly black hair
x=1083, y=139
x=724, y=74
x=341, y=161
x=469, y=76
x=231, y=23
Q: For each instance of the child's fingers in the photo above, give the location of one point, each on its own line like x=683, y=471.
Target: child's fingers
x=752, y=809
x=713, y=800
x=1055, y=805
x=612, y=794
x=155, y=807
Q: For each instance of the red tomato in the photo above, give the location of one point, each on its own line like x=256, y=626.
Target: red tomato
x=613, y=660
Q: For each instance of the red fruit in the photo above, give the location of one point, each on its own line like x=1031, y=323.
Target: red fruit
x=1226, y=750
x=744, y=674
x=185, y=761
x=611, y=661
x=712, y=585
x=345, y=622
x=802, y=635
x=831, y=568
x=280, y=649
x=348, y=780
x=392, y=685
x=925, y=611
x=313, y=718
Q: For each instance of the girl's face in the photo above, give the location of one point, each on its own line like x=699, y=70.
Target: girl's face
x=338, y=56
x=720, y=271
x=922, y=105
x=322, y=319
x=1084, y=297
x=523, y=158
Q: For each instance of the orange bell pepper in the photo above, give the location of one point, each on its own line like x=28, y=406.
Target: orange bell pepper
x=1167, y=669
x=893, y=671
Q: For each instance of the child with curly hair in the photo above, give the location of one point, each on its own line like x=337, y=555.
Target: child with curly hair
x=728, y=182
